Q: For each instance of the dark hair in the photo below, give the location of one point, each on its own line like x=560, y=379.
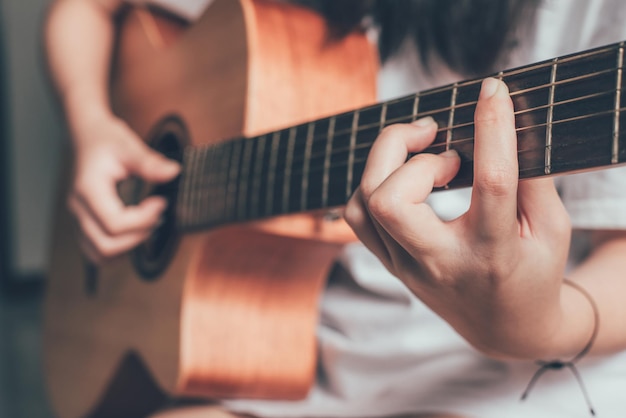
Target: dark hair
x=469, y=35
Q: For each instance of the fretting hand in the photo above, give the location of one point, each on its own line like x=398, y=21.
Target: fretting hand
x=495, y=273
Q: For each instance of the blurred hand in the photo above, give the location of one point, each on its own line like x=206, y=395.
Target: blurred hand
x=495, y=273
x=107, y=151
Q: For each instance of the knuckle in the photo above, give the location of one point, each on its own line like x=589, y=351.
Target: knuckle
x=111, y=227
x=353, y=213
x=367, y=187
x=499, y=262
x=392, y=133
x=391, y=130
x=382, y=206
x=486, y=115
x=494, y=113
x=105, y=249
x=497, y=181
x=425, y=158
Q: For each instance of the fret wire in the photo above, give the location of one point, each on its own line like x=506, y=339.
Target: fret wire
x=187, y=195
x=563, y=60
x=212, y=186
x=288, y=167
x=201, y=172
x=383, y=116
x=517, y=113
x=552, y=84
x=271, y=175
x=196, y=177
x=416, y=101
x=242, y=201
x=204, y=194
x=528, y=68
x=503, y=74
x=470, y=139
x=223, y=179
x=215, y=188
x=258, y=172
x=529, y=150
x=367, y=145
x=521, y=170
x=233, y=177
x=514, y=93
x=474, y=102
x=548, y=151
x=618, y=99
x=306, y=165
x=451, y=116
x=350, y=172
x=192, y=196
x=186, y=210
x=329, y=147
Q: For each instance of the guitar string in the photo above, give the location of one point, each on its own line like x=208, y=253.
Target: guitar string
x=294, y=200
x=471, y=124
x=401, y=119
x=220, y=186
x=451, y=87
x=546, y=64
x=295, y=206
x=460, y=141
x=468, y=104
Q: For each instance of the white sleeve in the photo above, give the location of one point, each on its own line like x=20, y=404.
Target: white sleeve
x=596, y=200
x=187, y=9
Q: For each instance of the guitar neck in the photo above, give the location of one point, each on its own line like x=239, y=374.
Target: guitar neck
x=568, y=117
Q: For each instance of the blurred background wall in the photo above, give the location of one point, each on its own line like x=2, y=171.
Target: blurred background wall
x=33, y=138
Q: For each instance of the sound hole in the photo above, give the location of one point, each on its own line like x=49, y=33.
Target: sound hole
x=153, y=256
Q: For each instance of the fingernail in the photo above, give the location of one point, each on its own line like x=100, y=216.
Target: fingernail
x=451, y=153
x=489, y=88
x=424, y=122
x=173, y=165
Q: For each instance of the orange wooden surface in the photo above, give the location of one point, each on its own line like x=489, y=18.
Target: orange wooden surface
x=234, y=315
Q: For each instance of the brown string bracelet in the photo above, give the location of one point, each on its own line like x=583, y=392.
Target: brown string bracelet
x=571, y=364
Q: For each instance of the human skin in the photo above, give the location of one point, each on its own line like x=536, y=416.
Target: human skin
x=78, y=38
x=495, y=273
x=508, y=251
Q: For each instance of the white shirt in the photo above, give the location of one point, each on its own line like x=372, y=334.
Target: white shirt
x=382, y=352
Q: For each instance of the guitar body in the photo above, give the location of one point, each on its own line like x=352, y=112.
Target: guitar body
x=233, y=312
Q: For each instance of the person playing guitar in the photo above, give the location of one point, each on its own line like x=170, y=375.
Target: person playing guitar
x=450, y=298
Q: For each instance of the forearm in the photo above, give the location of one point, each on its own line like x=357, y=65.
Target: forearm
x=78, y=39
x=603, y=275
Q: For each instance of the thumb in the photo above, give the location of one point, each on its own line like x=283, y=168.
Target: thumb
x=151, y=165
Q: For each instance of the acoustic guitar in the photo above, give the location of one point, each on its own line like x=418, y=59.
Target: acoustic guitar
x=210, y=310
x=221, y=301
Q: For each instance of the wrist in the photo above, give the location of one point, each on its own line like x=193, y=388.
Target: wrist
x=85, y=106
x=560, y=332
x=579, y=322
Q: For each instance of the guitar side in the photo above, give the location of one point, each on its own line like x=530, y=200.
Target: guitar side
x=234, y=313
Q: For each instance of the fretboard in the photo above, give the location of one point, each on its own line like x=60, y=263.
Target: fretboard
x=568, y=116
